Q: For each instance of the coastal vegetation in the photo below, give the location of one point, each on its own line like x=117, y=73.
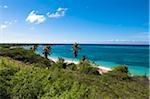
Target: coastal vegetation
x=27, y=75
x=47, y=51
x=34, y=47
x=76, y=48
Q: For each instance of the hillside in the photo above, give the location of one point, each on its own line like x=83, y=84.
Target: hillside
x=26, y=75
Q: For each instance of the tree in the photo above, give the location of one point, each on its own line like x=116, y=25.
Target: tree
x=47, y=51
x=75, y=48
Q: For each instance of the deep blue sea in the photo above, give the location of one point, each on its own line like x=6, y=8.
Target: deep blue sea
x=135, y=57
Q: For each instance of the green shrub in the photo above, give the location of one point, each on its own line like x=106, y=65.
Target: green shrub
x=5, y=46
x=87, y=68
x=19, y=80
x=119, y=73
x=72, y=66
x=27, y=84
x=84, y=63
x=27, y=56
x=60, y=63
x=123, y=69
x=4, y=89
x=6, y=74
x=119, y=76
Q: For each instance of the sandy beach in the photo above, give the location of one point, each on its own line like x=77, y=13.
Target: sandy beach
x=101, y=69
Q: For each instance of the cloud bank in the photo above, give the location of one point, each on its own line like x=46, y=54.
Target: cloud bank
x=60, y=12
x=33, y=17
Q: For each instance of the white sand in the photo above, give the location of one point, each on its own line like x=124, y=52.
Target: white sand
x=76, y=62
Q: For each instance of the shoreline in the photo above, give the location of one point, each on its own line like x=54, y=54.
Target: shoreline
x=101, y=69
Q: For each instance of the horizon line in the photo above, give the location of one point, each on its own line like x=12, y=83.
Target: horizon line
x=73, y=43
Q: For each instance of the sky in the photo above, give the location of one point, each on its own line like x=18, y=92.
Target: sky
x=69, y=21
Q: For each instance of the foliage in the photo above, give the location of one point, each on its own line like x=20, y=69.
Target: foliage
x=28, y=82
x=60, y=60
x=85, y=66
x=5, y=46
x=20, y=80
x=34, y=47
x=47, y=51
x=75, y=48
x=60, y=63
x=72, y=66
x=123, y=69
x=119, y=73
x=27, y=56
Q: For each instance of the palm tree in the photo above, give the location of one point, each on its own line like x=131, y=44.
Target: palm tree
x=34, y=47
x=75, y=48
x=47, y=51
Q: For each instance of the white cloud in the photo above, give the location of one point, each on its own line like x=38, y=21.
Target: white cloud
x=3, y=26
x=60, y=12
x=35, y=18
x=6, y=24
x=5, y=6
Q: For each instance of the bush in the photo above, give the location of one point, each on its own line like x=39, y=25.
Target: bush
x=89, y=70
x=119, y=73
x=27, y=56
x=72, y=66
x=4, y=89
x=6, y=73
x=27, y=81
x=123, y=69
x=5, y=46
x=27, y=84
x=85, y=63
x=60, y=63
x=118, y=76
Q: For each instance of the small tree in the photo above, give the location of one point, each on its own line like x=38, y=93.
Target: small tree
x=76, y=48
x=47, y=51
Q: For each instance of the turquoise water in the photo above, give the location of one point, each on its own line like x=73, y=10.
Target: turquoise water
x=135, y=57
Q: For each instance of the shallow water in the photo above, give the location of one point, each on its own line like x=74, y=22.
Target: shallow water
x=135, y=57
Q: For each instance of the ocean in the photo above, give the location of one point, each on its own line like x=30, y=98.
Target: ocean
x=135, y=57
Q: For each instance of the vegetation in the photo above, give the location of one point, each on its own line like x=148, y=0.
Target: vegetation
x=75, y=48
x=22, y=76
x=27, y=56
x=34, y=47
x=60, y=63
x=47, y=51
x=123, y=69
x=5, y=46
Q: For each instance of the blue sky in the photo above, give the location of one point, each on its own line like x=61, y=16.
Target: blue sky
x=68, y=21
